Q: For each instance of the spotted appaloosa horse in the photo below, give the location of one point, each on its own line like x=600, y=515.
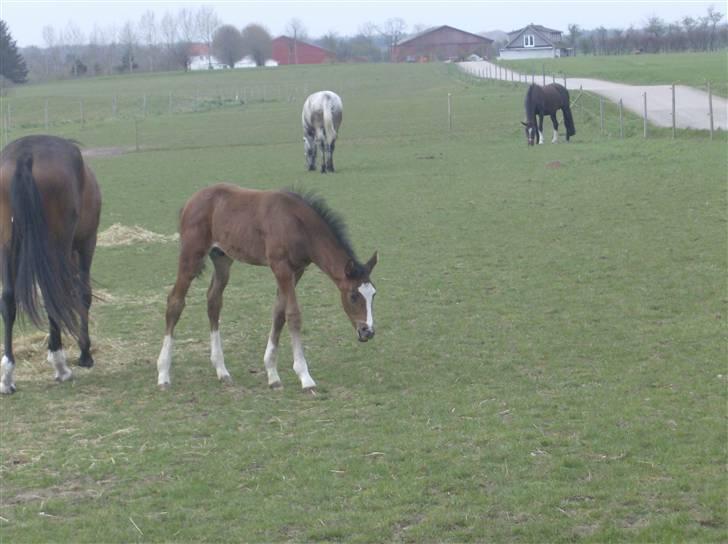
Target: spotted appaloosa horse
x=321, y=118
x=283, y=230
x=50, y=205
x=542, y=101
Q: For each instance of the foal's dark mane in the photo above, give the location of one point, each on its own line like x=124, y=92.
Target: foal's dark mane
x=332, y=219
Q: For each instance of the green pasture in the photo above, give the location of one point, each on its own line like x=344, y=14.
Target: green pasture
x=550, y=356
x=694, y=69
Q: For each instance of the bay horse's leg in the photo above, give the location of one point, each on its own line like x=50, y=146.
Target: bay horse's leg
x=190, y=264
x=270, y=359
x=220, y=279
x=555, y=122
x=56, y=355
x=85, y=256
x=7, y=366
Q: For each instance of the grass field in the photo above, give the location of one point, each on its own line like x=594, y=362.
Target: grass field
x=550, y=358
x=694, y=69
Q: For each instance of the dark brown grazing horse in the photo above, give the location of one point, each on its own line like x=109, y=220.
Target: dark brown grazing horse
x=50, y=205
x=542, y=101
x=283, y=230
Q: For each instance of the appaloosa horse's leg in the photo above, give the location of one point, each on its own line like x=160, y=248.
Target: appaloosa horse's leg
x=555, y=122
x=7, y=366
x=214, y=304
x=190, y=264
x=85, y=256
x=321, y=138
x=287, y=280
x=56, y=355
x=330, y=163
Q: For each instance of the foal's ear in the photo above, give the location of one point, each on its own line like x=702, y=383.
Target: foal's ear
x=371, y=263
x=350, y=269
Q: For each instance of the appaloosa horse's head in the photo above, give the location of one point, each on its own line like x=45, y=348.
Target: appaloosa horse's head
x=357, y=297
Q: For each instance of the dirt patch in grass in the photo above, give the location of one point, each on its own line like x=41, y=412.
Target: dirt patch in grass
x=122, y=235
x=79, y=489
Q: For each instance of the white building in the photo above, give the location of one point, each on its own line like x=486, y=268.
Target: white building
x=202, y=59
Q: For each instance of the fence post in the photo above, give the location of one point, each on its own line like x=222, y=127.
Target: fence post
x=170, y=103
x=543, y=73
x=136, y=133
x=45, y=116
x=601, y=116
x=553, y=78
x=564, y=80
x=113, y=106
x=710, y=109
x=533, y=78
x=144, y=106
x=644, y=96
x=80, y=102
x=621, y=124
x=673, y=111
x=449, y=111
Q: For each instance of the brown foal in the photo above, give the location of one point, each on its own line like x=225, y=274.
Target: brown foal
x=283, y=230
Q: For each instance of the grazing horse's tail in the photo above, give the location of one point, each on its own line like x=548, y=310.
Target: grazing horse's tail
x=329, y=127
x=38, y=262
x=569, y=121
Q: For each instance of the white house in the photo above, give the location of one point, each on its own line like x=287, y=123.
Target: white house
x=535, y=42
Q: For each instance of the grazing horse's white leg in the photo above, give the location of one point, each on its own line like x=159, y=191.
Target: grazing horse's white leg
x=540, y=137
x=7, y=381
x=300, y=367
x=58, y=360
x=555, y=138
x=165, y=361
x=217, y=358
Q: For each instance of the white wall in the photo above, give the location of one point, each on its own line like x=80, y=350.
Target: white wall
x=202, y=63
x=506, y=54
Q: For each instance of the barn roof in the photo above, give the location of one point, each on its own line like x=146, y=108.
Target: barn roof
x=441, y=27
x=304, y=42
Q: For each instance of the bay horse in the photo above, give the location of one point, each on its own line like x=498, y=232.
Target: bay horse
x=50, y=204
x=283, y=230
x=321, y=119
x=542, y=101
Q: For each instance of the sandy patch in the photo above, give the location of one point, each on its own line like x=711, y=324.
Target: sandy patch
x=121, y=235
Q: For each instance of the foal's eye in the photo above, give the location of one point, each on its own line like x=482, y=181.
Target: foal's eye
x=354, y=296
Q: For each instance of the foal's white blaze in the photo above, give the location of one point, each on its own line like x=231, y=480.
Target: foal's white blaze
x=367, y=291
x=165, y=361
x=7, y=382
x=216, y=356
x=58, y=360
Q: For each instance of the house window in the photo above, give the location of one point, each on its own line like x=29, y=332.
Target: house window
x=528, y=40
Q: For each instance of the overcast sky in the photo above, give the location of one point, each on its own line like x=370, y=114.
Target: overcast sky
x=26, y=18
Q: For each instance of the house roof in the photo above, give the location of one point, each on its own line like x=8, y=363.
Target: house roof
x=542, y=32
x=441, y=27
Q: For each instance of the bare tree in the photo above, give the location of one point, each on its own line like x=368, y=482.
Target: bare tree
x=295, y=30
x=187, y=26
x=228, y=45
x=74, y=39
x=49, y=38
x=148, y=32
x=257, y=43
x=393, y=30
x=713, y=18
x=129, y=39
x=207, y=22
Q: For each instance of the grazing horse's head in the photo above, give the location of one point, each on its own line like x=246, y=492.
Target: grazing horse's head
x=357, y=297
x=532, y=134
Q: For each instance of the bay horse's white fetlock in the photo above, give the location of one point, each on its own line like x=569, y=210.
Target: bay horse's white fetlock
x=58, y=360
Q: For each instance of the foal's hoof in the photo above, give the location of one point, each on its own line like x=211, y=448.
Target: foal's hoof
x=60, y=378
x=310, y=391
x=276, y=386
x=164, y=386
x=85, y=360
x=226, y=379
x=7, y=389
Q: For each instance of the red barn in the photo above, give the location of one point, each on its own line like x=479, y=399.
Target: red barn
x=440, y=43
x=289, y=51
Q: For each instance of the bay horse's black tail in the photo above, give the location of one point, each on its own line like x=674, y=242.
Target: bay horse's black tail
x=568, y=121
x=37, y=261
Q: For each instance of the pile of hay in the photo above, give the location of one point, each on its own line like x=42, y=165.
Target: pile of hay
x=121, y=235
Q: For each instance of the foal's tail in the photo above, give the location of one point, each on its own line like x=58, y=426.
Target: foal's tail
x=569, y=121
x=37, y=261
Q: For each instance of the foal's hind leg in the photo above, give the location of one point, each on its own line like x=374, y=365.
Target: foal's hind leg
x=214, y=304
x=7, y=366
x=85, y=256
x=190, y=264
x=56, y=355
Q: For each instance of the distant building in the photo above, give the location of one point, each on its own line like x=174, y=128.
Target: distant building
x=289, y=51
x=535, y=42
x=202, y=59
x=440, y=43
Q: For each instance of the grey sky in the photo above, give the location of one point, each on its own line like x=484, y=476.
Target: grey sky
x=26, y=18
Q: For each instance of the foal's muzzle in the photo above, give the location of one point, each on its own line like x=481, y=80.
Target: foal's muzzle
x=364, y=333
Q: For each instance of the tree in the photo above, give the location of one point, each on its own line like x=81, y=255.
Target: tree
x=295, y=30
x=257, y=43
x=393, y=30
x=574, y=33
x=128, y=38
x=228, y=45
x=207, y=22
x=12, y=64
x=148, y=32
x=713, y=18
